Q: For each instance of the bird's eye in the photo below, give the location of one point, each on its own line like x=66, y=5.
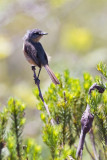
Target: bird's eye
x=37, y=33
x=34, y=34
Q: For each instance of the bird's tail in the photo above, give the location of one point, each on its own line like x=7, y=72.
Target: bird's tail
x=52, y=75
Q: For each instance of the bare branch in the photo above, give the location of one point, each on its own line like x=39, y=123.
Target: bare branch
x=86, y=124
x=98, y=87
x=37, y=82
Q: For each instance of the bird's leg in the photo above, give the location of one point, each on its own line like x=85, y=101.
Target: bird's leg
x=39, y=72
x=37, y=81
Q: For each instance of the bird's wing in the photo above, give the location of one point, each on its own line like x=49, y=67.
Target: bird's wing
x=31, y=54
x=42, y=55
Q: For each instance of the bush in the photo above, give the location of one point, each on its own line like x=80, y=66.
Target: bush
x=66, y=103
x=11, y=127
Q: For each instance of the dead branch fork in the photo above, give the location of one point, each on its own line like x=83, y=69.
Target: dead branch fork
x=37, y=82
x=86, y=122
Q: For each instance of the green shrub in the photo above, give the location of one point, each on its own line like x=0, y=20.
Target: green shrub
x=66, y=103
x=11, y=127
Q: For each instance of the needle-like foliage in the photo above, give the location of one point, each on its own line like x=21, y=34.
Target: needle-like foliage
x=12, y=145
x=3, y=125
x=66, y=103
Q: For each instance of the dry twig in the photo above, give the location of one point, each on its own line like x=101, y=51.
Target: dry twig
x=37, y=82
x=86, y=124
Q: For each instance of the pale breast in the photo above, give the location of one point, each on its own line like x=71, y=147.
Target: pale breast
x=30, y=60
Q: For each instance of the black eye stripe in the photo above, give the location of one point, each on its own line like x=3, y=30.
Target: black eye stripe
x=37, y=33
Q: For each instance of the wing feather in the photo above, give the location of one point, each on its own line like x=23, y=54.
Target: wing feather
x=31, y=54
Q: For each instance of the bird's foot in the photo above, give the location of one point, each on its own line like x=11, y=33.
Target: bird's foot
x=36, y=78
x=33, y=68
x=37, y=81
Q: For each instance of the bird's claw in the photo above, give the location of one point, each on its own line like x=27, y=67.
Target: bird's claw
x=33, y=68
x=37, y=81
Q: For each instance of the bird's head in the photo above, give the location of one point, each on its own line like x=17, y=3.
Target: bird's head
x=34, y=35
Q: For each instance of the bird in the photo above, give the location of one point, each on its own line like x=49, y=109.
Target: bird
x=35, y=53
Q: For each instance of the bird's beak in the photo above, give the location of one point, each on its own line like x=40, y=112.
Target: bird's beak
x=44, y=33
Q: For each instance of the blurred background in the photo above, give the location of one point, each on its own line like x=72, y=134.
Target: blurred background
x=77, y=40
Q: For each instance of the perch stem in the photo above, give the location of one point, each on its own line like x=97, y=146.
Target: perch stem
x=37, y=82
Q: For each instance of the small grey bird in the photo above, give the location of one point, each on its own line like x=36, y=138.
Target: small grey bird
x=35, y=53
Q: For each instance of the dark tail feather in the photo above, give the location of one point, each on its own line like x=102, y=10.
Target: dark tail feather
x=52, y=75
